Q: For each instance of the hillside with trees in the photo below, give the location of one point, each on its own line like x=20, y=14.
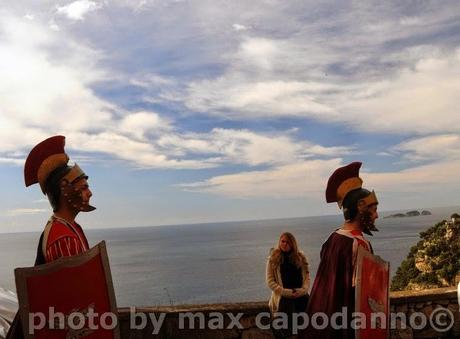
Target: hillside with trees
x=435, y=260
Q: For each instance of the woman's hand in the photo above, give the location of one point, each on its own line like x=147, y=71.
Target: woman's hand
x=295, y=293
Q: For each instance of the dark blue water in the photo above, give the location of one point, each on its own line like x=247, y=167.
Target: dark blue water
x=207, y=263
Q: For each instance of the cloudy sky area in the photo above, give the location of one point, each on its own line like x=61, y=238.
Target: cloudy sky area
x=200, y=111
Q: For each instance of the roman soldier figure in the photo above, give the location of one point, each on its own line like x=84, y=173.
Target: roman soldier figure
x=335, y=281
x=68, y=192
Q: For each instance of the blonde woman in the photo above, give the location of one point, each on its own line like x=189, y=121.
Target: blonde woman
x=288, y=277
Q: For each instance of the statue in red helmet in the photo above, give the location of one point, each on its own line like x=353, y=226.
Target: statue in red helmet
x=68, y=191
x=334, y=286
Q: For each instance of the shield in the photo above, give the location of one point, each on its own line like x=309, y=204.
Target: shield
x=69, y=298
x=372, y=295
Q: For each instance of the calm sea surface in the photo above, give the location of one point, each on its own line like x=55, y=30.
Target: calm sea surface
x=207, y=263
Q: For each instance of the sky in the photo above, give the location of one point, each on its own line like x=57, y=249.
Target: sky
x=202, y=111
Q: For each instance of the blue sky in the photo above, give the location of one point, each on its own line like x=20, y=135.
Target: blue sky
x=201, y=111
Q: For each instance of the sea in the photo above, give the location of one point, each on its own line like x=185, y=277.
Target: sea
x=213, y=262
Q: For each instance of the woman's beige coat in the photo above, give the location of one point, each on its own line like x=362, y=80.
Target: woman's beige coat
x=275, y=283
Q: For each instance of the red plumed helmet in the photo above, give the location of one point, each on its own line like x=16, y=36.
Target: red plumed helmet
x=44, y=159
x=342, y=181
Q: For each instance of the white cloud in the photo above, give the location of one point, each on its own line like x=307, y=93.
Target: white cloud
x=77, y=10
x=258, y=52
x=246, y=147
x=13, y=161
x=145, y=140
x=380, y=68
x=25, y=211
x=14, y=135
x=135, y=5
x=432, y=178
x=239, y=27
x=308, y=179
x=301, y=179
x=40, y=92
x=411, y=21
x=41, y=201
x=419, y=100
x=60, y=100
x=151, y=80
x=435, y=147
x=138, y=154
x=141, y=123
x=266, y=76
x=53, y=26
x=243, y=98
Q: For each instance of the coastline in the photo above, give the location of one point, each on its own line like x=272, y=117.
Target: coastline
x=208, y=263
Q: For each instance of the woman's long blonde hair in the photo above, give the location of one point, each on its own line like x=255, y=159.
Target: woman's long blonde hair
x=295, y=256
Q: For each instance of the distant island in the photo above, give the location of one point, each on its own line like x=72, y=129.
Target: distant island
x=413, y=213
x=434, y=261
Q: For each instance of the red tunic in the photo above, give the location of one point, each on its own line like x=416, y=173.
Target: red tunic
x=63, y=239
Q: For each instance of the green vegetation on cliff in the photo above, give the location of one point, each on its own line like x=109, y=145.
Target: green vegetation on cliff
x=433, y=262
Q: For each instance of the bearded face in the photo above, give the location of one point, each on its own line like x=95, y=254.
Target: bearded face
x=367, y=218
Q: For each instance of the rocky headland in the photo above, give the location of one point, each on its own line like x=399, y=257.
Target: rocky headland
x=434, y=261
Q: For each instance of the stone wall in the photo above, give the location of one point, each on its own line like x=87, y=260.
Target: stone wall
x=405, y=303
x=170, y=327
x=429, y=303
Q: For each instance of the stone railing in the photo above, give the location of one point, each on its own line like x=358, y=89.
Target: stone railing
x=171, y=328
x=416, y=303
x=207, y=321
